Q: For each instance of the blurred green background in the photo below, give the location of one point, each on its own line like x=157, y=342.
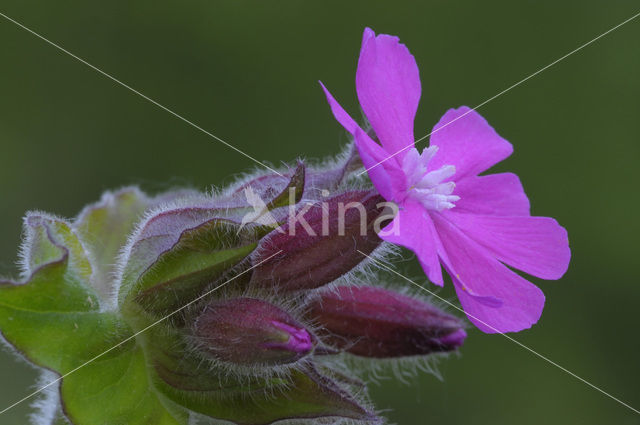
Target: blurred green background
x=248, y=71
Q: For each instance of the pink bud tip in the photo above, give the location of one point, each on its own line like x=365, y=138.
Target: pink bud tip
x=452, y=341
x=299, y=339
x=252, y=331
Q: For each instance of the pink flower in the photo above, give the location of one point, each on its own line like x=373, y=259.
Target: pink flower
x=473, y=225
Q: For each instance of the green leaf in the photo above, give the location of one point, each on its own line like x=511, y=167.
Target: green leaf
x=54, y=320
x=104, y=228
x=200, y=256
x=115, y=390
x=49, y=239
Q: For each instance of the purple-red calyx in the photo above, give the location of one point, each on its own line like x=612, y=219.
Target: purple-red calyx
x=473, y=225
x=375, y=322
x=250, y=331
x=302, y=258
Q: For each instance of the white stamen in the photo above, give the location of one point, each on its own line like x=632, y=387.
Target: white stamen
x=413, y=166
x=427, y=154
x=427, y=186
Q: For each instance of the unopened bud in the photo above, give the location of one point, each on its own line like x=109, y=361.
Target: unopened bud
x=249, y=331
x=320, y=243
x=375, y=322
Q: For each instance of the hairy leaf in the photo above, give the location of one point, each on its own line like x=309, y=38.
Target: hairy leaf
x=200, y=256
x=104, y=228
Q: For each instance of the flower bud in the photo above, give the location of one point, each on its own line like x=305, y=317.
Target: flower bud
x=319, y=243
x=248, y=331
x=375, y=322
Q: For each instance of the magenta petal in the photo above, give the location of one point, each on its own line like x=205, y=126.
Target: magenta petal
x=387, y=177
x=388, y=86
x=494, y=298
x=415, y=231
x=493, y=194
x=536, y=245
x=339, y=113
x=385, y=173
x=466, y=140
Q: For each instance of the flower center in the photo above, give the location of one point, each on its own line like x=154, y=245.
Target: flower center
x=427, y=186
